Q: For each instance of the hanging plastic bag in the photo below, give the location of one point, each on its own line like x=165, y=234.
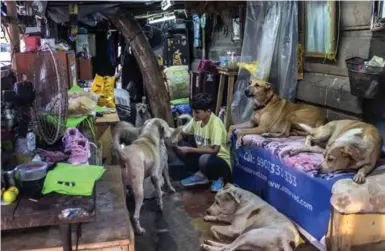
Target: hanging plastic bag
x=197, y=29
x=104, y=86
x=269, y=52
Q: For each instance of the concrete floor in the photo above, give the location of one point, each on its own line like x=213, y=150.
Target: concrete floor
x=180, y=227
x=172, y=230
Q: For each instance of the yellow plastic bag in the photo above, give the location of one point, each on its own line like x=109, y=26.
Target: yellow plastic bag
x=104, y=86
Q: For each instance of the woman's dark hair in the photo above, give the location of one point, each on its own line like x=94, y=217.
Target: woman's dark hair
x=201, y=101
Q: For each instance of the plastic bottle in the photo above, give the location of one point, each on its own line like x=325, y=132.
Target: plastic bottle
x=31, y=141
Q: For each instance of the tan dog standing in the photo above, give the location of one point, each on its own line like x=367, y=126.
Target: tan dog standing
x=254, y=223
x=142, y=159
x=275, y=117
x=346, y=144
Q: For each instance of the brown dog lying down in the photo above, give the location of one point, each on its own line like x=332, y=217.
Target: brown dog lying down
x=254, y=223
x=142, y=159
x=275, y=117
x=346, y=144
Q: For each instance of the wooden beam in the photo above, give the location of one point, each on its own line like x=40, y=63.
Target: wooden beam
x=157, y=94
x=13, y=31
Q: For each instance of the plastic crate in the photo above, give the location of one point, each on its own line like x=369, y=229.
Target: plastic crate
x=365, y=82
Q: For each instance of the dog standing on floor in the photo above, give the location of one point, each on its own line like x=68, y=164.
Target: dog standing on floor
x=346, y=144
x=142, y=113
x=143, y=159
x=254, y=224
x=275, y=117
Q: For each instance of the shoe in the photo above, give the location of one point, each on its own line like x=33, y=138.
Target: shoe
x=216, y=185
x=70, y=136
x=80, y=152
x=194, y=180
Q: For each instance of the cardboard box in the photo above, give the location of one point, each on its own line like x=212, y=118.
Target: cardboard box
x=85, y=70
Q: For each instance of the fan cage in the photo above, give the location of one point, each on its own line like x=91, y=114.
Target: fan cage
x=51, y=87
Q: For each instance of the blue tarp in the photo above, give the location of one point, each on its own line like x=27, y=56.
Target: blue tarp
x=303, y=197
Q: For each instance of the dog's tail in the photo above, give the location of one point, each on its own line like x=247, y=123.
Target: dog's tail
x=123, y=130
x=306, y=128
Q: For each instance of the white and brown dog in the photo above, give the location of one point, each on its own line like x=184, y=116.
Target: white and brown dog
x=142, y=159
x=254, y=224
x=346, y=145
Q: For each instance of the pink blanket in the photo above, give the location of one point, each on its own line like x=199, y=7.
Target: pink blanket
x=277, y=146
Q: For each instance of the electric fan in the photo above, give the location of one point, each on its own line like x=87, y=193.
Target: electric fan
x=50, y=106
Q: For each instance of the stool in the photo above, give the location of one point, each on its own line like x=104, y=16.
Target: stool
x=230, y=91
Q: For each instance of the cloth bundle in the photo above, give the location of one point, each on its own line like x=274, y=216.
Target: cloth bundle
x=72, y=180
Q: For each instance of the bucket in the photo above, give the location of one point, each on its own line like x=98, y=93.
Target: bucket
x=365, y=81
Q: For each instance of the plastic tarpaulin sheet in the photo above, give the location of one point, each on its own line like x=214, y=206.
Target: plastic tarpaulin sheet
x=271, y=36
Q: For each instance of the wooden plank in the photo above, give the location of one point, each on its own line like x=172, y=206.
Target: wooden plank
x=349, y=230
x=220, y=93
x=230, y=91
x=156, y=91
x=111, y=230
x=46, y=211
x=108, y=118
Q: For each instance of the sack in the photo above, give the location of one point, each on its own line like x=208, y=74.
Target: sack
x=104, y=86
x=178, y=81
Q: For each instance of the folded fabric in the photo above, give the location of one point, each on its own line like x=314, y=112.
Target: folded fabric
x=72, y=180
x=180, y=101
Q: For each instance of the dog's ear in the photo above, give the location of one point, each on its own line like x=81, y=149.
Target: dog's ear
x=351, y=152
x=144, y=100
x=235, y=197
x=162, y=130
x=228, y=185
x=264, y=84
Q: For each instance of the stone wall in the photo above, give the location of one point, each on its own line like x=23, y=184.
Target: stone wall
x=327, y=84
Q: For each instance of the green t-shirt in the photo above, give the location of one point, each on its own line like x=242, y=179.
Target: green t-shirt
x=212, y=134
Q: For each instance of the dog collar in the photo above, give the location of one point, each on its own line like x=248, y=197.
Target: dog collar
x=259, y=107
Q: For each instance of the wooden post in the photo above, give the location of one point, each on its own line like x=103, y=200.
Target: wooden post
x=157, y=94
x=13, y=31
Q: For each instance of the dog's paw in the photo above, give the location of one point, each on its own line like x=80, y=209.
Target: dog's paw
x=293, y=152
x=215, y=232
x=359, y=178
x=172, y=189
x=205, y=247
x=139, y=230
x=209, y=218
x=207, y=242
x=266, y=134
x=239, y=142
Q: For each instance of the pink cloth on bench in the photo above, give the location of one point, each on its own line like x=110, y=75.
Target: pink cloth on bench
x=304, y=161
